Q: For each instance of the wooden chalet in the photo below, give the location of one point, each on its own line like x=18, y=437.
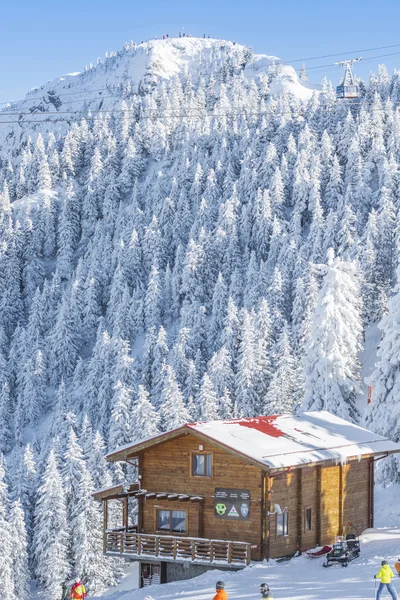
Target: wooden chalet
x=226, y=493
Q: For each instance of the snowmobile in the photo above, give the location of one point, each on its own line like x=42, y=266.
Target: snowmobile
x=344, y=551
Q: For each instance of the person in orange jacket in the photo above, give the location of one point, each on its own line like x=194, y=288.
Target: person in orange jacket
x=221, y=593
x=397, y=566
x=78, y=591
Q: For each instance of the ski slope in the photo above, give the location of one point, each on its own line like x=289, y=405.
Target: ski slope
x=301, y=578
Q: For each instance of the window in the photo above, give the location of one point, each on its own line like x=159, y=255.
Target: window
x=282, y=524
x=307, y=519
x=171, y=521
x=202, y=465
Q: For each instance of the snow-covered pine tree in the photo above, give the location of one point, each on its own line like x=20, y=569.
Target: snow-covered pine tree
x=87, y=543
x=144, y=418
x=331, y=367
x=173, y=412
x=50, y=540
x=7, y=557
x=19, y=551
x=385, y=381
x=120, y=423
x=280, y=396
x=207, y=401
x=246, y=378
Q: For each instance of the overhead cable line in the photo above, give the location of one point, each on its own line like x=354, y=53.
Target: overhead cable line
x=197, y=116
x=58, y=96
x=340, y=53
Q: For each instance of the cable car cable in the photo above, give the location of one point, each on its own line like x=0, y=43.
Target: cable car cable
x=341, y=53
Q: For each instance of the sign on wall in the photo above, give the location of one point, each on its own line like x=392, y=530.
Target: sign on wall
x=232, y=504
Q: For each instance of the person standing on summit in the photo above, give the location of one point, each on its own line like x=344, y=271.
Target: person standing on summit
x=385, y=574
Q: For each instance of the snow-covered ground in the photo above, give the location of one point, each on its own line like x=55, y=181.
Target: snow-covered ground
x=301, y=578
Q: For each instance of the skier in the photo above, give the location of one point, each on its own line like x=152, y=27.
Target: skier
x=66, y=587
x=265, y=592
x=78, y=591
x=397, y=566
x=221, y=593
x=385, y=574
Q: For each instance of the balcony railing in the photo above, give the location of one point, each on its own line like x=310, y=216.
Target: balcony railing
x=168, y=547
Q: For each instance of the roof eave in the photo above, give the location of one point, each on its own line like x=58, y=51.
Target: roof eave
x=127, y=452
x=334, y=461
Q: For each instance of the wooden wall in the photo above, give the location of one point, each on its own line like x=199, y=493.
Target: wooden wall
x=167, y=468
x=355, y=495
x=337, y=495
x=285, y=491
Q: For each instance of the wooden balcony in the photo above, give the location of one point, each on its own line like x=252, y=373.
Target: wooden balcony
x=170, y=548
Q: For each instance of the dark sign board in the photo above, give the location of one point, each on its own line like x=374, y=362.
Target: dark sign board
x=232, y=504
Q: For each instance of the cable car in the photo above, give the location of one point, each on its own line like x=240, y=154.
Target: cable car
x=348, y=87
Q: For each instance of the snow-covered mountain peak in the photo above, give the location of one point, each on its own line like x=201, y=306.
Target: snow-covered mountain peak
x=149, y=63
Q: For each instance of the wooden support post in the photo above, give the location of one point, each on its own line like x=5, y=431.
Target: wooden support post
x=300, y=524
x=140, y=514
x=371, y=493
x=229, y=553
x=264, y=512
x=341, y=500
x=248, y=554
x=139, y=545
x=125, y=513
x=211, y=550
x=105, y=524
x=193, y=548
x=121, y=542
x=318, y=516
x=200, y=529
x=175, y=544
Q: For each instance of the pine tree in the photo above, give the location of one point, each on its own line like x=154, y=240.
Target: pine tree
x=160, y=356
x=120, y=426
x=331, y=366
x=173, y=412
x=246, y=375
x=65, y=340
x=280, y=397
x=7, y=557
x=385, y=382
x=207, y=401
x=303, y=73
x=221, y=372
x=6, y=420
x=50, y=542
x=19, y=551
x=144, y=418
x=24, y=487
x=218, y=313
x=152, y=303
x=87, y=551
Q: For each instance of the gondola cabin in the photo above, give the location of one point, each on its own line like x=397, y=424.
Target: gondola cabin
x=225, y=493
x=348, y=87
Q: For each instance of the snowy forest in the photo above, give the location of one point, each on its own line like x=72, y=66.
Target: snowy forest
x=207, y=249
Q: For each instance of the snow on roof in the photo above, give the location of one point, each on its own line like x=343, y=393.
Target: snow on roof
x=281, y=441
x=289, y=440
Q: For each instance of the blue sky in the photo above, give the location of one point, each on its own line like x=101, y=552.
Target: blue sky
x=42, y=39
